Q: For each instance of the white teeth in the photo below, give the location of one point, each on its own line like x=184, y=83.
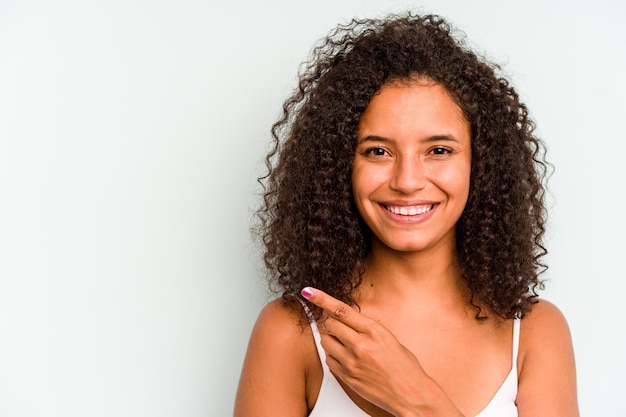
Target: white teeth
x=410, y=210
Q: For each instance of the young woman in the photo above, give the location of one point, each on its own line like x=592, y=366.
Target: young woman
x=403, y=223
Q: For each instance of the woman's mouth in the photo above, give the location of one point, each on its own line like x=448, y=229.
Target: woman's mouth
x=409, y=210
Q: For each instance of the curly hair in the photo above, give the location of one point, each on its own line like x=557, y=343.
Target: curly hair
x=308, y=221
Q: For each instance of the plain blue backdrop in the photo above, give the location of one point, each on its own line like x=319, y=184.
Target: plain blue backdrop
x=131, y=136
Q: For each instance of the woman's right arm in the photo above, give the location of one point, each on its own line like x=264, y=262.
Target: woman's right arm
x=272, y=382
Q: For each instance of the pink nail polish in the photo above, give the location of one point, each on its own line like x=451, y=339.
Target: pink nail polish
x=306, y=292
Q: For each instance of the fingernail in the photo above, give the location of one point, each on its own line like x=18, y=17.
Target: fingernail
x=306, y=292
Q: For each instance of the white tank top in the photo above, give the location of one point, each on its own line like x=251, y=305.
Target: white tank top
x=333, y=401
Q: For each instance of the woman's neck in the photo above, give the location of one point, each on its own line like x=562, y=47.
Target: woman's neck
x=432, y=276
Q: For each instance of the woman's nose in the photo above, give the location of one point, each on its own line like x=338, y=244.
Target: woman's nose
x=409, y=175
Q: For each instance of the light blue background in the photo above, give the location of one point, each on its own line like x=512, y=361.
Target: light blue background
x=131, y=135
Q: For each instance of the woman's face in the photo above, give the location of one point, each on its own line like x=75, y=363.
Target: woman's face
x=411, y=172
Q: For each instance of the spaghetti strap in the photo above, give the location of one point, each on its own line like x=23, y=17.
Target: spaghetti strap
x=316, y=334
x=332, y=400
x=516, y=332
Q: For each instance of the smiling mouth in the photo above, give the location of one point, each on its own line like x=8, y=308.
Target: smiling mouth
x=409, y=210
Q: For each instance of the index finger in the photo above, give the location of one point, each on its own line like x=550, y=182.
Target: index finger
x=336, y=308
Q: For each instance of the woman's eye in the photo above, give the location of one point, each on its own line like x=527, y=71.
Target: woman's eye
x=439, y=150
x=376, y=152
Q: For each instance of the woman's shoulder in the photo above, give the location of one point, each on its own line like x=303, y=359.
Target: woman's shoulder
x=282, y=324
x=276, y=364
x=545, y=319
x=282, y=317
x=543, y=327
x=547, y=375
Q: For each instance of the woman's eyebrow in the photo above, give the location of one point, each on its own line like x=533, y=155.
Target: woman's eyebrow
x=445, y=138
x=433, y=138
x=374, y=138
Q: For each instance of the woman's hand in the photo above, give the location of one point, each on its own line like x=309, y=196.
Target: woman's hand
x=368, y=358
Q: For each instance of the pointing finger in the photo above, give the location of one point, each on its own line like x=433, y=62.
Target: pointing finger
x=336, y=308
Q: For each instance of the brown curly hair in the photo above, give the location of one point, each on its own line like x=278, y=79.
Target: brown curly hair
x=311, y=229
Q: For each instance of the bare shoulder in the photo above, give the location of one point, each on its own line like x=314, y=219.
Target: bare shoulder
x=279, y=320
x=281, y=327
x=543, y=320
x=544, y=333
x=273, y=378
x=546, y=366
